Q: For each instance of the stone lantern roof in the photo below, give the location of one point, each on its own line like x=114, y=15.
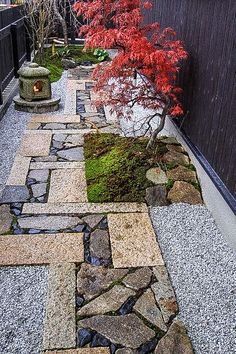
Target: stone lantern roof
x=34, y=70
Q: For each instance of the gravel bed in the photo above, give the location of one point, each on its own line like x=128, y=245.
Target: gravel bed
x=12, y=127
x=203, y=272
x=23, y=296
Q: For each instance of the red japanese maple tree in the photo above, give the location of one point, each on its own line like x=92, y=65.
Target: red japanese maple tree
x=146, y=66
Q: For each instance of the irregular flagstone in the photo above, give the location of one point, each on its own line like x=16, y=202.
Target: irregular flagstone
x=51, y=126
x=19, y=171
x=107, y=302
x=35, y=143
x=5, y=219
x=133, y=241
x=92, y=281
x=76, y=140
x=93, y=220
x=183, y=192
x=177, y=157
x=176, y=341
x=182, y=173
x=100, y=244
x=164, y=293
x=49, y=222
x=56, y=165
x=39, y=189
x=126, y=330
x=63, y=118
x=68, y=187
x=103, y=350
x=73, y=154
x=83, y=208
x=141, y=278
x=41, y=249
x=39, y=175
x=156, y=196
x=59, y=327
x=14, y=194
x=147, y=307
x=156, y=175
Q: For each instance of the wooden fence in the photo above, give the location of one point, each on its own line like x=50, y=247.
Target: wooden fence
x=209, y=77
x=14, y=45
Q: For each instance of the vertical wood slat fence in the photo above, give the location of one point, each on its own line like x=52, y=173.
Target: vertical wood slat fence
x=15, y=45
x=209, y=77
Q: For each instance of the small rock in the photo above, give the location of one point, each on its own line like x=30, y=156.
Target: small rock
x=175, y=148
x=79, y=301
x=5, y=219
x=83, y=337
x=100, y=244
x=92, y=281
x=39, y=175
x=57, y=145
x=127, y=307
x=156, y=196
x=93, y=220
x=156, y=175
x=183, y=192
x=68, y=63
x=39, y=189
x=15, y=194
x=169, y=140
x=139, y=279
x=100, y=341
x=73, y=154
x=182, y=173
x=176, y=341
x=148, y=347
x=175, y=157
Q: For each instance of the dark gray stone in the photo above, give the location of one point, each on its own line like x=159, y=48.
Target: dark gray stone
x=93, y=220
x=73, y=154
x=156, y=196
x=100, y=244
x=68, y=63
x=100, y=341
x=39, y=189
x=13, y=194
x=84, y=336
x=39, y=175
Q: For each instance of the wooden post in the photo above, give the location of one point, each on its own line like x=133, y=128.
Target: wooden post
x=27, y=42
x=15, y=48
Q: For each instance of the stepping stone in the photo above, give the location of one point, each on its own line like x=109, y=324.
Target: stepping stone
x=73, y=154
x=60, y=323
x=156, y=176
x=39, y=189
x=83, y=208
x=176, y=157
x=41, y=249
x=176, y=341
x=147, y=307
x=39, y=175
x=40, y=118
x=5, y=219
x=183, y=192
x=182, y=173
x=68, y=187
x=127, y=330
x=56, y=165
x=93, y=220
x=112, y=300
x=164, y=293
x=133, y=241
x=19, y=171
x=141, y=278
x=35, y=143
x=103, y=350
x=49, y=222
x=14, y=194
x=100, y=244
x=92, y=281
x=156, y=196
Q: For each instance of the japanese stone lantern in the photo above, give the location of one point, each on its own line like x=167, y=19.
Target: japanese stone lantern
x=34, y=83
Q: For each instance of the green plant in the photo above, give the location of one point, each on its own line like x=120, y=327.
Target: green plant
x=101, y=54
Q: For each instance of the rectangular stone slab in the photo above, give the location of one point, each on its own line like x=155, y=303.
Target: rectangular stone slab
x=133, y=241
x=83, y=208
x=68, y=187
x=41, y=249
x=35, y=143
x=103, y=350
x=59, y=326
x=56, y=165
x=19, y=171
x=63, y=118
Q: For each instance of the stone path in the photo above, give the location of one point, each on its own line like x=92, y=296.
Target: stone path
x=108, y=288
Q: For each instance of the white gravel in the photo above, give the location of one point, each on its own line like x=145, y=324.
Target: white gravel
x=12, y=127
x=203, y=272
x=23, y=296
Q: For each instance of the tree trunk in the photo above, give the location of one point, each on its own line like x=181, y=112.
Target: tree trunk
x=62, y=21
x=159, y=128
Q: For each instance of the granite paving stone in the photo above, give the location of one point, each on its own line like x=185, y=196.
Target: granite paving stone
x=14, y=194
x=49, y=222
x=41, y=249
x=45, y=159
x=48, y=118
x=133, y=241
x=73, y=154
x=139, y=279
x=35, y=143
x=107, y=302
x=147, y=307
x=19, y=171
x=92, y=281
x=59, y=327
x=39, y=175
x=100, y=244
x=126, y=330
x=68, y=187
x=56, y=165
x=33, y=126
x=83, y=208
x=5, y=219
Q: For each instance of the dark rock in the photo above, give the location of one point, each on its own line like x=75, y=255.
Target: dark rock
x=183, y=192
x=182, y=173
x=34, y=231
x=78, y=228
x=148, y=347
x=127, y=306
x=100, y=244
x=68, y=63
x=112, y=348
x=103, y=225
x=80, y=108
x=100, y=341
x=30, y=181
x=139, y=279
x=12, y=194
x=93, y=220
x=79, y=300
x=73, y=154
x=86, y=236
x=83, y=337
x=156, y=196
x=16, y=212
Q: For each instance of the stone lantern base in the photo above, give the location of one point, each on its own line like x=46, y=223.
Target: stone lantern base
x=42, y=106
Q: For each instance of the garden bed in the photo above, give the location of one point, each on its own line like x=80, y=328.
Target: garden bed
x=121, y=169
